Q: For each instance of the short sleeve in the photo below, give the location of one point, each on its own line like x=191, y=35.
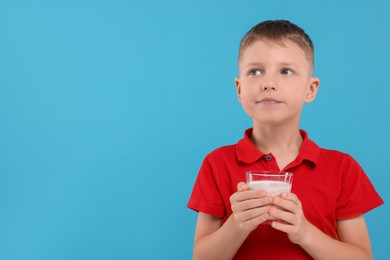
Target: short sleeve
x=206, y=196
x=357, y=194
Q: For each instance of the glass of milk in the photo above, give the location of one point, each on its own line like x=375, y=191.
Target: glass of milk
x=272, y=182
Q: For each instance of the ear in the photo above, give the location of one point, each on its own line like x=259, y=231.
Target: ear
x=238, y=88
x=312, y=90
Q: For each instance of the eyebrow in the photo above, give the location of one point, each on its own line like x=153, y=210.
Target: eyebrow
x=260, y=64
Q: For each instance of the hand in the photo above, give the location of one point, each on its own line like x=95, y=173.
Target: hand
x=250, y=207
x=288, y=207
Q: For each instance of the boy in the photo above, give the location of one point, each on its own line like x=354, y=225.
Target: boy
x=322, y=218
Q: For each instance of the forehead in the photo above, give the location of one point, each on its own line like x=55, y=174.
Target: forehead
x=283, y=51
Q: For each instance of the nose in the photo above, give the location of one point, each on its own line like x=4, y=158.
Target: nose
x=268, y=86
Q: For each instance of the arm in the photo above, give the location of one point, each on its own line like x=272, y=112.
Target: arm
x=216, y=241
x=354, y=240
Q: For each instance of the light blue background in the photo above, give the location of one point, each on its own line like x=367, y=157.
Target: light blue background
x=107, y=109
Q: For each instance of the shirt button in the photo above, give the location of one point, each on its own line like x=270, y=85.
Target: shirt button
x=268, y=157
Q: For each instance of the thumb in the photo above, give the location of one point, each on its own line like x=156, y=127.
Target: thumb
x=242, y=186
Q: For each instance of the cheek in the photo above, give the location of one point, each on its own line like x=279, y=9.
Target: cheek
x=245, y=92
x=248, y=98
x=249, y=88
x=296, y=98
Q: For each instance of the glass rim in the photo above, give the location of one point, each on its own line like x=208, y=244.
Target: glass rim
x=268, y=173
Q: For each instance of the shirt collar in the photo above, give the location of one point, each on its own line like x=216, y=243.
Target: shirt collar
x=248, y=153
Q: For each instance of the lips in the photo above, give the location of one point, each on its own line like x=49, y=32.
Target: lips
x=268, y=101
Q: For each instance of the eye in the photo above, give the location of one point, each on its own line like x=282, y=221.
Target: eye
x=286, y=72
x=255, y=72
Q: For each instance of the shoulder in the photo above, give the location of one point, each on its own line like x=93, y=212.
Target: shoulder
x=339, y=163
x=335, y=155
x=332, y=154
x=227, y=151
x=324, y=157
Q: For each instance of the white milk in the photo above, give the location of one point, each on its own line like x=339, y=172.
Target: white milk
x=271, y=187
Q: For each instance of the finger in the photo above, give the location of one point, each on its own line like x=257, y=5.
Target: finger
x=287, y=201
x=252, y=223
x=284, y=227
x=291, y=197
x=242, y=186
x=238, y=206
x=256, y=203
x=247, y=194
x=282, y=215
x=251, y=214
x=284, y=204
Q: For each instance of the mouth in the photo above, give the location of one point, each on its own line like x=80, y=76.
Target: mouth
x=268, y=101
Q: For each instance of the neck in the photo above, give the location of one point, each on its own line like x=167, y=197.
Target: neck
x=279, y=140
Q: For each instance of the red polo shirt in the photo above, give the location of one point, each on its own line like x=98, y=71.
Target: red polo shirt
x=331, y=185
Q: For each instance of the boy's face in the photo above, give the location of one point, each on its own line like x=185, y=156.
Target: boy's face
x=275, y=81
